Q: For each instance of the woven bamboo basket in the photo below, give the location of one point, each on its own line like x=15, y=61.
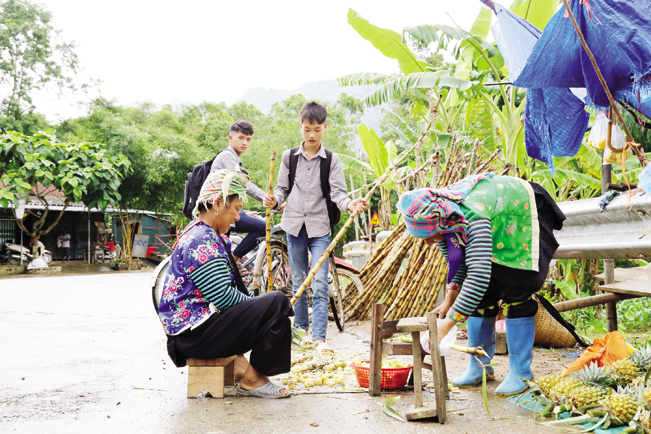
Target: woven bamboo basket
x=550, y=333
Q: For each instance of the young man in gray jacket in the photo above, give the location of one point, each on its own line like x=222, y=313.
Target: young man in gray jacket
x=239, y=139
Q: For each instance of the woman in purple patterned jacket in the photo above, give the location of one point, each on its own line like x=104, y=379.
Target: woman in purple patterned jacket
x=206, y=313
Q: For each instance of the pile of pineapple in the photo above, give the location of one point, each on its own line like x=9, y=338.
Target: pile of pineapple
x=619, y=394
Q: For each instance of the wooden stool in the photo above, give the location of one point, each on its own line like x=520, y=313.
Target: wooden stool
x=385, y=329
x=210, y=375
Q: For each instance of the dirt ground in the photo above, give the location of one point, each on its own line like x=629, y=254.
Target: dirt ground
x=86, y=353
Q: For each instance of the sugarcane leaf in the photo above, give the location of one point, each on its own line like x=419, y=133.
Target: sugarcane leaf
x=483, y=390
x=595, y=426
x=389, y=411
x=646, y=377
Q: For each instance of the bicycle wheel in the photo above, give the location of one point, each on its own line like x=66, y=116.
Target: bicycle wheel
x=281, y=274
x=336, y=295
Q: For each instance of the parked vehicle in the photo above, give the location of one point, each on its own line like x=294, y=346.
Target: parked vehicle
x=107, y=254
x=11, y=253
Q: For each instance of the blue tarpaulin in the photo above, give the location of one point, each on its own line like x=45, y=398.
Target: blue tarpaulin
x=555, y=119
x=618, y=33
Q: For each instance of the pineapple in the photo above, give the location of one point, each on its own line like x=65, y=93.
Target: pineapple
x=547, y=382
x=594, y=375
x=646, y=395
x=626, y=370
x=645, y=419
x=621, y=406
x=586, y=395
x=563, y=388
x=642, y=358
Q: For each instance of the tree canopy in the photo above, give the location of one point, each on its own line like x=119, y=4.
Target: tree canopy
x=32, y=58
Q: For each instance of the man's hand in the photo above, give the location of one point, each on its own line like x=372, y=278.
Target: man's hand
x=269, y=201
x=282, y=207
x=358, y=204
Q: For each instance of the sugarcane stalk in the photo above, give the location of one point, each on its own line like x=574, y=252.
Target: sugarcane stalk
x=602, y=80
x=353, y=214
x=270, y=184
x=352, y=185
x=475, y=351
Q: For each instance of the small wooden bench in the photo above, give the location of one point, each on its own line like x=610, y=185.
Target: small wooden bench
x=210, y=375
x=385, y=329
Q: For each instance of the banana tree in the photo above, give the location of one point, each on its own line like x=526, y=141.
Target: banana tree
x=465, y=87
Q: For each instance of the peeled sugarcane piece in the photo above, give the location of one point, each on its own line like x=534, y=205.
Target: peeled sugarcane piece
x=477, y=351
x=302, y=367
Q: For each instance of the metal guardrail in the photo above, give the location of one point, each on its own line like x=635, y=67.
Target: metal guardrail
x=622, y=231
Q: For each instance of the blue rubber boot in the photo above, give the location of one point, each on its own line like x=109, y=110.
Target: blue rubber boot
x=481, y=333
x=519, y=338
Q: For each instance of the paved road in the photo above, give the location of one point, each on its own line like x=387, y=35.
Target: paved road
x=86, y=354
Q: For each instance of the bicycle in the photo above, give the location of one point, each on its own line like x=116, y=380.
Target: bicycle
x=341, y=275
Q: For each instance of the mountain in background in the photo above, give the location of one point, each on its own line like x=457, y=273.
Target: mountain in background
x=325, y=90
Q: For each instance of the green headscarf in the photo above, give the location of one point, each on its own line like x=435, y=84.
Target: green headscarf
x=221, y=183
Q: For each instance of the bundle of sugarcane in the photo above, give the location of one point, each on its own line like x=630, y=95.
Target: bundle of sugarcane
x=415, y=290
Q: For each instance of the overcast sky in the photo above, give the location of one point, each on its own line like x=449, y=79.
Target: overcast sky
x=215, y=50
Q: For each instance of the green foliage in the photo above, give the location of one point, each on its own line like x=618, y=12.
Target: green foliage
x=82, y=172
x=85, y=172
x=537, y=12
x=31, y=60
x=388, y=42
x=162, y=146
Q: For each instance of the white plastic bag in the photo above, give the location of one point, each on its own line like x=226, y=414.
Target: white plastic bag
x=37, y=263
x=446, y=342
x=599, y=132
x=618, y=141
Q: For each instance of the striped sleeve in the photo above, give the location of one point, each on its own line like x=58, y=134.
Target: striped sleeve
x=479, y=254
x=214, y=281
x=463, y=269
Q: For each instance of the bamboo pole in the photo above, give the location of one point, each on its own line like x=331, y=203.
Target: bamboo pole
x=602, y=80
x=270, y=186
x=334, y=242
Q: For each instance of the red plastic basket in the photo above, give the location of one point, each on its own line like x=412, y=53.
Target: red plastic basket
x=392, y=378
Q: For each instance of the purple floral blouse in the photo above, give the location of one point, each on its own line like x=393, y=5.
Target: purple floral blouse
x=182, y=303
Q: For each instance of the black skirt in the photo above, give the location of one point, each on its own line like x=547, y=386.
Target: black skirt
x=516, y=286
x=260, y=325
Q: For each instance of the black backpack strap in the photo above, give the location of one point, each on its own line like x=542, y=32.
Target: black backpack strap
x=293, y=162
x=557, y=316
x=325, y=173
x=325, y=189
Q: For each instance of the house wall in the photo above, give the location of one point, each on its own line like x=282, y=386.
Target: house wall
x=157, y=229
x=76, y=222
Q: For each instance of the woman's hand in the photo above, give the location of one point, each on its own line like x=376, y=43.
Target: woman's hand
x=450, y=298
x=443, y=309
x=445, y=328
